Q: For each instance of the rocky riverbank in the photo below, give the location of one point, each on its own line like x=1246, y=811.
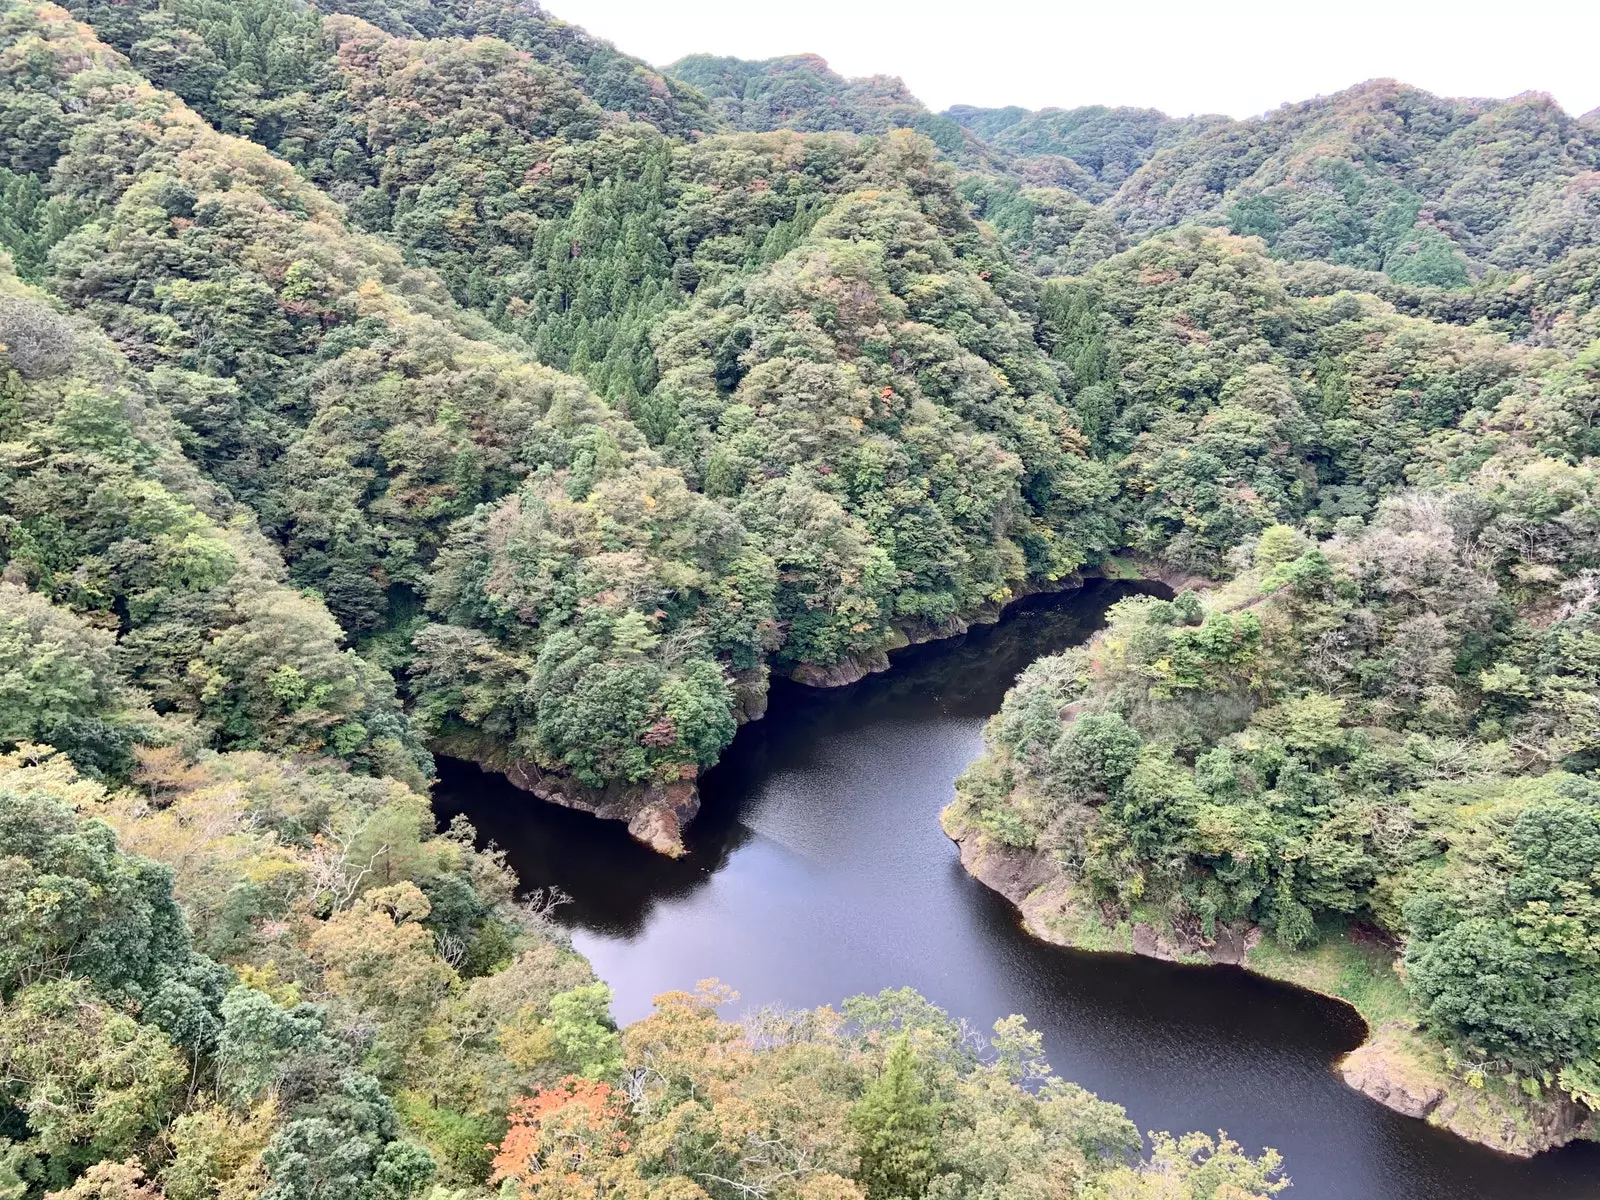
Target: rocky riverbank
x=1395, y=1065
x=657, y=814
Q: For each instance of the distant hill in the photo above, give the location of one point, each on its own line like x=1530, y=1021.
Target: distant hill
x=1381, y=176
x=802, y=92
x=1387, y=177
x=1108, y=143
x=614, y=80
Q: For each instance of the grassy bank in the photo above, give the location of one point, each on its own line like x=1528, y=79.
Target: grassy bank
x=1396, y=1065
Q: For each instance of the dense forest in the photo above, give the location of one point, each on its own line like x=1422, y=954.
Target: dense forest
x=390, y=378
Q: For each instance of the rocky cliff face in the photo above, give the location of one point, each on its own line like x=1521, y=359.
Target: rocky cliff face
x=850, y=669
x=1389, y=1068
x=657, y=814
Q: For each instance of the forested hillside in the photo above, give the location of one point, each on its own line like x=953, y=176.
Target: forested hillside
x=260, y=465
x=1381, y=177
x=1095, y=148
x=1384, y=722
x=586, y=601
x=800, y=92
x=389, y=378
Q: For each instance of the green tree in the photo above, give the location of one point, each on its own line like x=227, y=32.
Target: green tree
x=89, y=1081
x=897, y=1126
x=585, y=1034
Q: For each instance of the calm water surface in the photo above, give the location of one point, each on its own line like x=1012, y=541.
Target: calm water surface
x=817, y=870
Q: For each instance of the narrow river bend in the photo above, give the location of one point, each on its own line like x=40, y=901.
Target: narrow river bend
x=817, y=870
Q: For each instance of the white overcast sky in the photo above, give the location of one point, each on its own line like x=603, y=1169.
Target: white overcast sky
x=1238, y=57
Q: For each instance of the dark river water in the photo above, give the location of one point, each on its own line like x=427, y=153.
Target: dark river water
x=817, y=870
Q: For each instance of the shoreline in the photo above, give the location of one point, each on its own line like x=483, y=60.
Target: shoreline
x=1394, y=1064
x=657, y=814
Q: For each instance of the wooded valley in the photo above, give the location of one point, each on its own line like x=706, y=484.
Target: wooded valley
x=382, y=379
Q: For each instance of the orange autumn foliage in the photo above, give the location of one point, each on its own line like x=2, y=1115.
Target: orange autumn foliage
x=557, y=1135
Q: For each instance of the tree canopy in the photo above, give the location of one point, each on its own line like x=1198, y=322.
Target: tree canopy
x=382, y=377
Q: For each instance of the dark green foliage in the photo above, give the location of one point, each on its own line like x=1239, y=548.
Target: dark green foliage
x=98, y=975
x=103, y=516
x=875, y=369
x=30, y=223
x=264, y=1046
x=642, y=589
x=1503, y=930
x=74, y=904
x=346, y=1144
x=1050, y=231
x=898, y=1129
x=1227, y=403
x=281, y=397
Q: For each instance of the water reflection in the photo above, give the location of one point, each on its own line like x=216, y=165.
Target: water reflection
x=817, y=870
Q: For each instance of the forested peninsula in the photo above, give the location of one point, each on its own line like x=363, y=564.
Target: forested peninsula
x=383, y=379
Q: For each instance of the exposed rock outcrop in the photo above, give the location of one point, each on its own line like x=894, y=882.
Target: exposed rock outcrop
x=1230, y=945
x=1054, y=910
x=750, y=694
x=1395, y=1066
x=1373, y=1069
x=657, y=814
x=851, y=669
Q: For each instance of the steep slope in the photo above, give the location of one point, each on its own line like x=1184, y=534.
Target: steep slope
x=101, y=512
x=715, y=205
x=212, y=995
x=1386, y=177
x=1226, y=403
x=1392, y=731
x=1376, y=748
x=1049, y=231
x=262, y=977
x=345, y=398
x=602, y=593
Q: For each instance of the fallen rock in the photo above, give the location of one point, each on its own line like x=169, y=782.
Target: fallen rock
x=660, y=823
